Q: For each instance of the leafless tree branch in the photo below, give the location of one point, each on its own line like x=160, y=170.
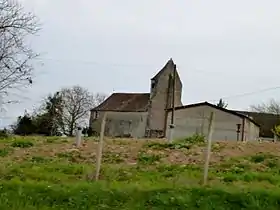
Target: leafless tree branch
x=272, y=107
x=77, y=103
x=16, y=26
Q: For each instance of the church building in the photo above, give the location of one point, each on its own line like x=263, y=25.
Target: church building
x=140, y=114
x=150, y=114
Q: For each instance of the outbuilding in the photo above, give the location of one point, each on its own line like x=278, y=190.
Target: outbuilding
x=228, y=125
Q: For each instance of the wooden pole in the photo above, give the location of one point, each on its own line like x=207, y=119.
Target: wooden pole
x=173, y=95
x=100, y=147
x=208, y=148
x=172, y=126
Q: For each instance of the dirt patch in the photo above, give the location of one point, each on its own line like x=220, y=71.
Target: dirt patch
x=127, y=150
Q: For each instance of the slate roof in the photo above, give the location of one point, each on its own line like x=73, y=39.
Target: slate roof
x=125, y=102
x=217, y=107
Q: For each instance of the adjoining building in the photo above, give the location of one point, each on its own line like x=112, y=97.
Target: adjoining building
x=228, y=125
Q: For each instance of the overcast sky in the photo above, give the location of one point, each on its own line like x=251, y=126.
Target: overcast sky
x=222, y=48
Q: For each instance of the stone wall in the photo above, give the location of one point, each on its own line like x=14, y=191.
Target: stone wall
x=122, y=124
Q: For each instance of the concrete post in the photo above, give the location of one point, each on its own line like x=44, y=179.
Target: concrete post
x=274, y=138
x=171, y=133
x=78, y=136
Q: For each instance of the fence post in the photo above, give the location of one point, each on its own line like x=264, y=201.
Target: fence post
x=208, y=147
x=171, y=133
x=100, y=147
x=78, y=136
x=274, y=138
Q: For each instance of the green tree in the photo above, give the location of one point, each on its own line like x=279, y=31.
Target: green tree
x=276, y=130
x=49, y=121
x=222, y=103
x=24, y=126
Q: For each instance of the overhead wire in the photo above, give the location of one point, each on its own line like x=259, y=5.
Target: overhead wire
x=247, y=94
x=153, y=66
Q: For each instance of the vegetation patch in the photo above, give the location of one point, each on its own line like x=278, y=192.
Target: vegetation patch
x=93, y=196
x=144, y=158
x=194, y=139
x=184, y=143
x=4, y=134
x=40, y=159
x=53, y=139
x=5, y=152
x=111, y=157
x=150, y=183
x=175, y=145
x=22, y=144
x=258, y=158
x=217, y=147
x=73, y=155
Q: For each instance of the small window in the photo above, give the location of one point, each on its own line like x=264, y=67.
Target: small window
x=153, y=84
x=95, y=115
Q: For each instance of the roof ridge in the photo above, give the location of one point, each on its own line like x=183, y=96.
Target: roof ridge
x=131, y=93
x=217, y=107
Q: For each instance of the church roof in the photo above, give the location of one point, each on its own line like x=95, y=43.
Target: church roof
x=125, y=102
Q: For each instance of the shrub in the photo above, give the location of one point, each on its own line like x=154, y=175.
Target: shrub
x=4, y=152
x=4, y=134
x=22, y=144
x=39, y=159
x=258, y=158
x=109, y=157
x=230, y=178
x=194, y=139
x=148, y=158
x=175, y=145
x=276, y=130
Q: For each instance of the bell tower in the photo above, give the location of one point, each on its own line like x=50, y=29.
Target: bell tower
x=161, y=95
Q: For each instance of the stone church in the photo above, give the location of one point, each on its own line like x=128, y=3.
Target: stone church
x=140, y=115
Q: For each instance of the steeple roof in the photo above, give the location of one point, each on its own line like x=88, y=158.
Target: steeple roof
x=169, y=63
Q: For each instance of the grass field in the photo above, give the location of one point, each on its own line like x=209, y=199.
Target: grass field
x=50, y=173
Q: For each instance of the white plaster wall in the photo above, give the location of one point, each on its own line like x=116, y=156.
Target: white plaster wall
x=196, y=120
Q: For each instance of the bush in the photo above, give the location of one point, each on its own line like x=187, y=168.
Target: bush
x=4, y=134
x=194, y=139
x=179, y=143
x=258, y=158
x=22, y=144
x=175, y=145
x=148, y=158
x=4, y=152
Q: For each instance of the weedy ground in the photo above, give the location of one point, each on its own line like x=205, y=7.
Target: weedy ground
x=51, y=173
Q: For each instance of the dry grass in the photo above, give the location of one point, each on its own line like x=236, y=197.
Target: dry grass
x=128, y=150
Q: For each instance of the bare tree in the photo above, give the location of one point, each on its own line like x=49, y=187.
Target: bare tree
x=272, y=107
x=16, y=55
x=98, y=99
x=77, y=103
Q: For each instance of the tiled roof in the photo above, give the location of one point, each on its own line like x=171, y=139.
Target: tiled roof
x=125, y=102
